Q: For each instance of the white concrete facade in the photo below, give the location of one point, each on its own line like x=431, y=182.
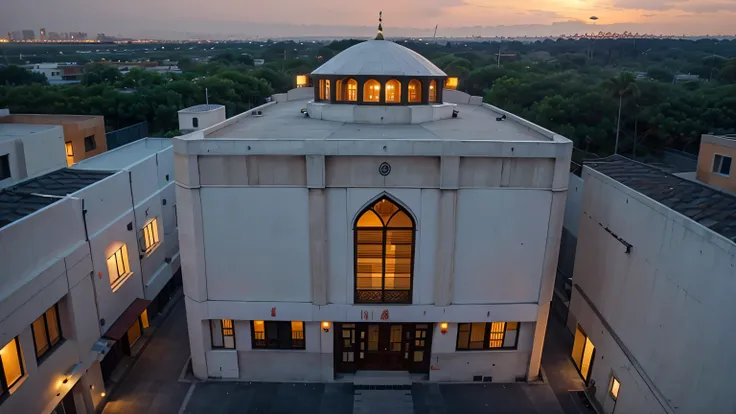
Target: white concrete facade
x=200, y=117
x=656, y=315
x=31, y=150
x=58, y=254
x=266, y=233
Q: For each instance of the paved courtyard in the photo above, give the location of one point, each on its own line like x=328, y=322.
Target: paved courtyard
x=153, y=385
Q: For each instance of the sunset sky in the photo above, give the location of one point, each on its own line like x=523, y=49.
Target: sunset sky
x=351, y=17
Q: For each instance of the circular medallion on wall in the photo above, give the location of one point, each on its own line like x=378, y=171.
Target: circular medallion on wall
x=384, y=169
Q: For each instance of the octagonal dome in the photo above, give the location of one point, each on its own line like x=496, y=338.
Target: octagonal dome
x=379, y=57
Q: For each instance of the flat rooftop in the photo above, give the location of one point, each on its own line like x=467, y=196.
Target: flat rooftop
x=198, y=108
x=284, y=121
x=125, y=156
x=713, y=209
x=31, y=195
x=14, y=131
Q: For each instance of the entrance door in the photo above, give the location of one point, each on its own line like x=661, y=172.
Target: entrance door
x=383, y=347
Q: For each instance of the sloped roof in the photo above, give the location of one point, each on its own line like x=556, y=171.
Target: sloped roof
x=713, y=209
x=379, y=57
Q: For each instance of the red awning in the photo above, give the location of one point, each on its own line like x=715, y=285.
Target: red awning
x=126, y=320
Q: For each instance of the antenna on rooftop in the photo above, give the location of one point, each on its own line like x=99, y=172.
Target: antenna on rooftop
x=206, y=96
x=379, y=36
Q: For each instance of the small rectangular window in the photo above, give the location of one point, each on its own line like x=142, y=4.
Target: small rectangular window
x=278, y=334
x=487, y=335
x=615, y=386
x=89, y=143
x=722, y=164
x=11, y=365
x=223, y=333
x=149, y=236
x=4, y=166
x=46, y=332
x=69, y=149
x=117, y=265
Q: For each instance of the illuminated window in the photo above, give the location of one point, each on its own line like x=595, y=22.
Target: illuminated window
x=451, y=83
x=583, y=352
x=223, y=333
x=148, y=238
x=347, y=90
x=117, y=265
x=487, y=335
x=134, y=332
x=324, y=89
x=278, y=334
x=11, y=365
x=393, y=91
x=371, y=91
x=46, y=332
x=69, y=153
x=433, y=91
x=301, y=81
x=415, y=91
x=384, y=254
x=614, y=387
x=722, y=164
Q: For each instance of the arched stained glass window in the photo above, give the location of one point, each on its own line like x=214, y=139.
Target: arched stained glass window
x=384, y=254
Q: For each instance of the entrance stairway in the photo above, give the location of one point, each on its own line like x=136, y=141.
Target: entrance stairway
x=382, y=392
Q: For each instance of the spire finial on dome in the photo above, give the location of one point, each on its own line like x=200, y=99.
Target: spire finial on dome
x=379, y=36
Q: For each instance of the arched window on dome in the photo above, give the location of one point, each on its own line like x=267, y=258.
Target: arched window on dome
x=384, y=253
x=433, y=91
x=324, y=89
x=393, y=91
x=347, y=90
x=371, y=91
x=415, y=91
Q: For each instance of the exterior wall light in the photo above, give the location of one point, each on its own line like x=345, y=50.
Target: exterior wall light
x=443, y=327
x=301, y=81
x=102, y=394
x=451, y=83
x=326, y=326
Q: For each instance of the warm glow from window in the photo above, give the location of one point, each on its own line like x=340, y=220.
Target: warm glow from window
x=393, y=91
x=371, y=91
x=433, y=91
x=259, y=331
x=301, y=81
x=415, y=91
x=149, y=236
x=451, y=83
x=118, y=265
x=324, y=89
x=384, y=253
x=69, y=154
x=615, y=385
x=12, y=366
x=347, y=90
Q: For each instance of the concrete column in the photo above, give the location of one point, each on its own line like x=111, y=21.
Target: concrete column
x=535, y=361
x=197, y=321
x=549, y=271
x=425, y=90
x=191, y=243
x=318, y=245
x=445, y=268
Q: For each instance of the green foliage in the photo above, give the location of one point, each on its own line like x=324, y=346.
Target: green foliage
x=97, y=73
x=15, y=76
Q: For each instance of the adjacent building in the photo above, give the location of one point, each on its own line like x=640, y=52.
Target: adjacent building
x=200, y=116
x=84, y=135
x=374, y=222
x=715, y=161
x=28, y=151
x=89, y=257
x=59, y=73
x=653, y=286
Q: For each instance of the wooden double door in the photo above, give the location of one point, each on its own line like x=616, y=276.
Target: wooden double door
x=383, y=346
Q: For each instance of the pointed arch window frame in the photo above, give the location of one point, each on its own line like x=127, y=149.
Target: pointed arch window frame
x=384, y=229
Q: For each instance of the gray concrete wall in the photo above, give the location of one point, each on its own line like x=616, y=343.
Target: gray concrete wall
x=667, y=301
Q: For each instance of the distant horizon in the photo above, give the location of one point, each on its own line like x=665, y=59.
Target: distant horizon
x=224, y=19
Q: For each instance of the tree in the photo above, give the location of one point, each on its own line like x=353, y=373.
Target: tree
x=245, y=59
x=621, y=86
x=727, y=74
x=98, y=73
x=15, y=76
x=660, y=74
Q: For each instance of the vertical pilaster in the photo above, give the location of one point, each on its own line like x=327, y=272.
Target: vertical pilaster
x=317, y=228
x=199, y=336
x=445, y=266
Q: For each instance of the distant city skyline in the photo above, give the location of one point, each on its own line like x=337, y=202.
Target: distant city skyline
x=222, y=19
